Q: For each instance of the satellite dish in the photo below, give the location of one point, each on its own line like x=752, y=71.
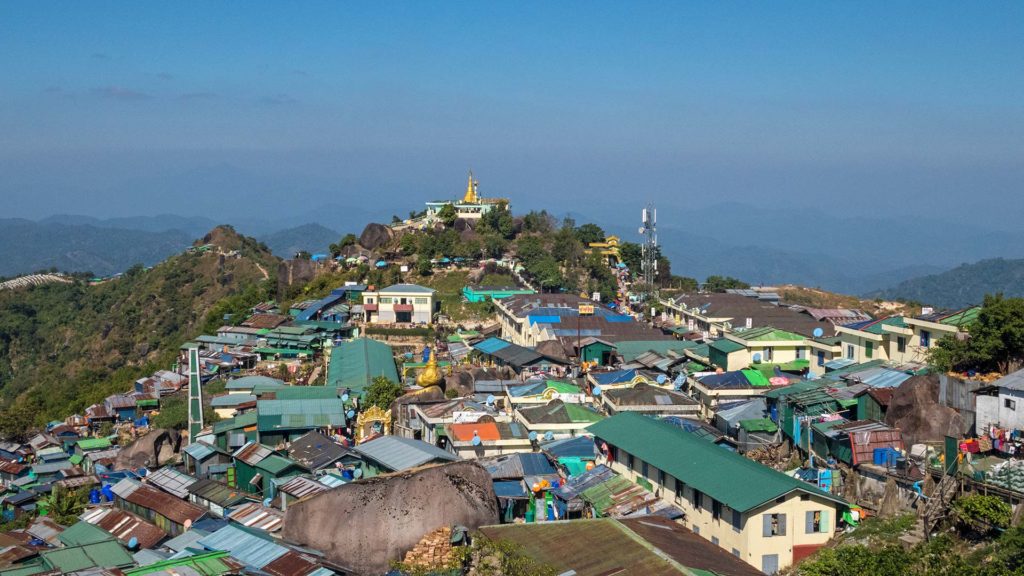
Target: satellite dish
x=358, y=473
x=490, y=399
x=476, y=439
x=661, y=379
x=597, y=390
x=818, y=332
x=268, y=501
x=757, y=356
x=344, y=397
x=640, y=230
x=350, y=414
x=133, y=542
x=532, y=436
x=549, y=435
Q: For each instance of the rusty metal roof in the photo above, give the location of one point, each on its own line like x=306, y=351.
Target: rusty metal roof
x=255, y=515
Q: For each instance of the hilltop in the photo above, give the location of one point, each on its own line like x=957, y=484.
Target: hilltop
x=310, y=238
x=64, y=346
x=964, y=285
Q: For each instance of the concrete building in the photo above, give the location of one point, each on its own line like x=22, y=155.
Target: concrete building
x=1001, y=404
x=764, y=517
x=400, y=303
x=911, y=342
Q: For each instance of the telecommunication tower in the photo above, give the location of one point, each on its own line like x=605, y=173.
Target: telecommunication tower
x=649, y=255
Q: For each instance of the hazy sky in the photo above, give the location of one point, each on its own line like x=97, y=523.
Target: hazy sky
x=123, y=108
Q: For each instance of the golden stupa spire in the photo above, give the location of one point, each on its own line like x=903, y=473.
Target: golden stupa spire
x=470, y=197
x=430, y=376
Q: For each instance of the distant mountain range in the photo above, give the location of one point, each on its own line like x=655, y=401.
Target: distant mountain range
x=311, y=238
x=27, y=246
x=962, y=286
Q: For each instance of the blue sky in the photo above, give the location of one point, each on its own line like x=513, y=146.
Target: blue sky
x=122, y=108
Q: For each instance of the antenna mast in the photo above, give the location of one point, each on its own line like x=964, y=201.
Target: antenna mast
x=649, y=261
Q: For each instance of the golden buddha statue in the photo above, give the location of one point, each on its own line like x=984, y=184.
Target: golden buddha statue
x=430, y=376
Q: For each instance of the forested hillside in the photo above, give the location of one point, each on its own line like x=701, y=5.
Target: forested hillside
x=65, y=346
x=964, y=285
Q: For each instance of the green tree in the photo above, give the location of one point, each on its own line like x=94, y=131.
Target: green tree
x=423, y=265
x=173, y=413
x=448, y=215
x=494, y=245
x=588, y=233
x=723, y=283
x=631, y=255
x=539, y=222
x=382, y=392
x=982, y=513
x=64, y=505
x=499, y=221
x=408, y=244
x=996, y=341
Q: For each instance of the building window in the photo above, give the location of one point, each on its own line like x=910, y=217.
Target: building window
x=698, y=499
x=661, y=477
x=716, y=509
x=849, y=351
x=735, y=552
x=385, y=300
x=768, y=354
x=714, y=540
x=629, y=461
x=737, y=521
x=817, y=522
x=369, y=300
x=821, y=358
x=421, y=300
x=869, y=349
x=696, y=529
x=901, y=344
x=926, y=339
x=644, y=470
x=1010, y=404
x=679, y=490
x=801, y=353
x=774, y=525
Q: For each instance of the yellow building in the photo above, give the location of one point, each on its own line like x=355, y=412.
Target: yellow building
x=609, y=250
x=764, y=517
x=871, y=340
x=910, y=343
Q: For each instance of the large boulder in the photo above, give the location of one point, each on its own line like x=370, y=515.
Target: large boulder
x=916, y=411
x=296, y=272
x=375, y=235
x=156, y=447
x=367, y=524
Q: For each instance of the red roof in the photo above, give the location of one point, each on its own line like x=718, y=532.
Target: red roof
x=485, y=430
x=403, y=307
x=370, y=307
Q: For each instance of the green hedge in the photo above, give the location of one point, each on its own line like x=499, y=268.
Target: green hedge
x=420, y=332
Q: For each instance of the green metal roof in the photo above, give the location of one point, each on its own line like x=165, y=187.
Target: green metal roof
x=767, y=334
x=236, y=423
x=962, y=318
x=275, y=464
x=81, y=533
x=578, y=413
x=210, y=564
x=354, y=364
x=796, y=388
x=740, y=483
x=306, y=393
x=93, y=443
x=107, y=554
x=299, y=413
x=726, y=346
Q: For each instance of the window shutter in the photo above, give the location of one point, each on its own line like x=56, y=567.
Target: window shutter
x=824, y=526
x=767, y=528
x=810, y=522
x=782, y=524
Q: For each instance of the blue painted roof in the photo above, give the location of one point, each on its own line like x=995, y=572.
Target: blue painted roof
x=882, y=377
x=492, y=345
x=509, y=489
x=839, y=363
x=616, y=377
x=539, y=319
x=313, y=309
x=248, y=548
x=575, y=447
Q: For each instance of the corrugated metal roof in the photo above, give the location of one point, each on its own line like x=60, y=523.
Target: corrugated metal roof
x=252, y=453
x=259, y=517
x=172, y=481
x=355, y=363
x=124, y=526
x=107, y=554
x=300, y=487
x=398, y=453
x=250, y=549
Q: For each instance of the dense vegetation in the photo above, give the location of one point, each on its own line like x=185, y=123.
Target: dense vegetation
x=962, y=286
x=996, y=341
x=65, y=346
x=875, y=552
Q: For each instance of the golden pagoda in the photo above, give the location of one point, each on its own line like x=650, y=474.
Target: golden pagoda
x=471, y=191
